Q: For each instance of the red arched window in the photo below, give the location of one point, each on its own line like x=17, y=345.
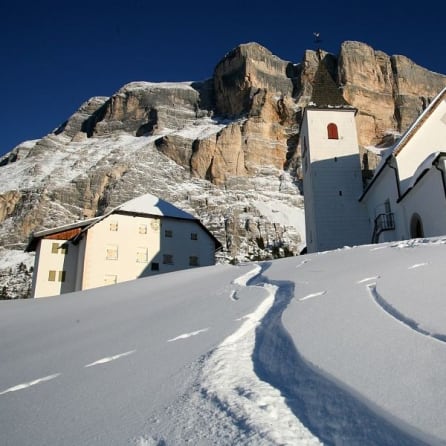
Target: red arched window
x=332, y=130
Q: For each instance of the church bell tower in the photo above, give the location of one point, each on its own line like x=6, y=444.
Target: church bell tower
x=332, y=178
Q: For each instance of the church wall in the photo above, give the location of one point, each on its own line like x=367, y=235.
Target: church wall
x=427, y=199
x=310, y=232
x=428, y=139
x=346, y=144
x=341, y=219
x=332, y=181
x=385, y=188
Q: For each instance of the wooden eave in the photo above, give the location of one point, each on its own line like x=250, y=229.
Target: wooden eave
x=66, y=232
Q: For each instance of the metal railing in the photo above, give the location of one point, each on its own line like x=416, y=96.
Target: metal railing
x=383, y=222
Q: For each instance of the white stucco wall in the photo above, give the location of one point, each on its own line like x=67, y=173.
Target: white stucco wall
x=324, y=148
x=428, y=139
x=332, y=181
x=99, y=271
x=427, y=199
x=47, y=261
x=385, y=188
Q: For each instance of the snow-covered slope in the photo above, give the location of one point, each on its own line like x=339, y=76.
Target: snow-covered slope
x=341, y=348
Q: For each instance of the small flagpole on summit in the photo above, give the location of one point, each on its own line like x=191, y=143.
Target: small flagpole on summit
x=317, y=40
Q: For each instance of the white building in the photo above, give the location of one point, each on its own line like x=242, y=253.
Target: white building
x=142, y=237
x=332, y=178
x=406, y=197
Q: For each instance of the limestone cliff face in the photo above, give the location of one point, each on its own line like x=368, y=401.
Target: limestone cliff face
x=389, y=91
x=255, y=88
x=243, y=147
x=74, y=127
x=245, y=70
x=225, y=149
x=141, y=108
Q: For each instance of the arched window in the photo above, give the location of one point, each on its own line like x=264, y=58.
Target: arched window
x=332, y=130
x=416, y=227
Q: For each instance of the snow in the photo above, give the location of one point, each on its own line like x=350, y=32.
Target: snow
x=201, y=129
x=286, y=215
x=425, y=165
x=147, y=86
x=151, y=205
x=11, y=258
x=382, y=151
x=346, y=347
x=73, y=159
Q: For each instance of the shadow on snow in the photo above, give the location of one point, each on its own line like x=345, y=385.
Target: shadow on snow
x=327, y=410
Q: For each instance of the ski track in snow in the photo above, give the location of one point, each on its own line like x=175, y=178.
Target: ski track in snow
x=30, y=384
x=378, y=248
x=399, y=317
x=230, y=380
x=276, y=403
x=245, y=278
x=302, y=263
x=110, y=358
x=367, y=279
x=233, y=296
x=312, y=295
x=329, y=412
x=242, y=281
x=417, y=265
x=55, y=375
x=188, y=335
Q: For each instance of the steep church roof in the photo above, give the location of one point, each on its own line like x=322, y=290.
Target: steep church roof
x=325, y=91
x=402, y=142
x=400, y=145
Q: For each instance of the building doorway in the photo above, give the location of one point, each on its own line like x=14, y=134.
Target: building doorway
x=416, y=227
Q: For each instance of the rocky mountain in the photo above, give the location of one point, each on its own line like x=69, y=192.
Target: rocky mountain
x=225, y=149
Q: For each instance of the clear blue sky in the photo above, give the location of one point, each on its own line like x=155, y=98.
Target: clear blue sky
x=55, y=55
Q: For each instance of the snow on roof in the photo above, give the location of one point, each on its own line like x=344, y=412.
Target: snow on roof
x=422, y=169
x=151, y=205
x=425, y=165
x=399, y=146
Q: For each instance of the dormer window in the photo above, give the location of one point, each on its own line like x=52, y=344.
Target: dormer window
x=332, y=130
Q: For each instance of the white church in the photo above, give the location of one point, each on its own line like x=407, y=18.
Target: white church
x=406, y=198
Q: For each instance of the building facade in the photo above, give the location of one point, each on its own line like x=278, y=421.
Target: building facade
x=142, y=237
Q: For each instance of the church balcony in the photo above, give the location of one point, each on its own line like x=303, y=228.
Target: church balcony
x=383, y=222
